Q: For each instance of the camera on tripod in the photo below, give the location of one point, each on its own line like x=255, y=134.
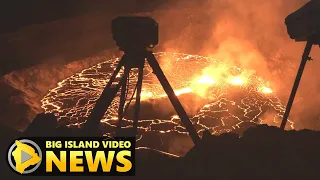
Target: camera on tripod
x=135, y=32
x=304, y=24
x=134, y=35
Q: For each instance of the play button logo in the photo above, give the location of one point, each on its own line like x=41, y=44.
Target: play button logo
x=24, y=156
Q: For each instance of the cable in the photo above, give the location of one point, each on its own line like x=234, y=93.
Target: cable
x=127, y=105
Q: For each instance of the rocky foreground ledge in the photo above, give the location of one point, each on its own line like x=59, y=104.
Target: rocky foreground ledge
x=262, y=152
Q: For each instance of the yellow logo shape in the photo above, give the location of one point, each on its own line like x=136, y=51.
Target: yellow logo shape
x=24, y=156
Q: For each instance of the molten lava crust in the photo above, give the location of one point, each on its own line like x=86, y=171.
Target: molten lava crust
x=218, y=97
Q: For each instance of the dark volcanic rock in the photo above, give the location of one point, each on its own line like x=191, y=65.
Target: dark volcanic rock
x=262, y=152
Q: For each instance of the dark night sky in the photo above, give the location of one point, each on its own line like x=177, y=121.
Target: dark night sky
x=17, y=13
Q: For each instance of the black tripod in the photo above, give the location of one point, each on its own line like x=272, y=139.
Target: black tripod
x=135, y=58
x=305, y=58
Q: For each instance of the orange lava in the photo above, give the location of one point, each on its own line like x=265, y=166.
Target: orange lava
x=253, y=102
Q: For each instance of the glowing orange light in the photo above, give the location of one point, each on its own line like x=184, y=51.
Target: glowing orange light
x=175, y=117
x=183, y=91
x=266, y=90
x=211, y=83
x=206, y=80
x=200, y=85
x=146, y=95
x=179, y=92
x=237, y=81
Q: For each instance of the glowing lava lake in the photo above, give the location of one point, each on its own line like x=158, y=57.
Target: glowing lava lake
x=217, y=97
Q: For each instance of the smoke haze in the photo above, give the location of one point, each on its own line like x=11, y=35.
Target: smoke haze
x=250, y=34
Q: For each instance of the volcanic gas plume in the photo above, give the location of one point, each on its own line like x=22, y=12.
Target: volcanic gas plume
x=217, y=97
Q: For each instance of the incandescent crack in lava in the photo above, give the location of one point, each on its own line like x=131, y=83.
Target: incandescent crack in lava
x=218, y=97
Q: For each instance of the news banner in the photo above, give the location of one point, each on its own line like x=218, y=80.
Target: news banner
x=72, y=156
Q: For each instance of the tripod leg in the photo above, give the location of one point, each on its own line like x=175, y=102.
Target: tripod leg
x=105, y=99
x=172, y=97
x=122, y=101
x=137, y=103
x=304, y=60
x=115, y=73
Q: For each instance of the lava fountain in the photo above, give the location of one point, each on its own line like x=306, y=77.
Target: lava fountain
x=218, y=97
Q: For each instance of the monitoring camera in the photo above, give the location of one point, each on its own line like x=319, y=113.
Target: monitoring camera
x=135, y=32
x=304, y=24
